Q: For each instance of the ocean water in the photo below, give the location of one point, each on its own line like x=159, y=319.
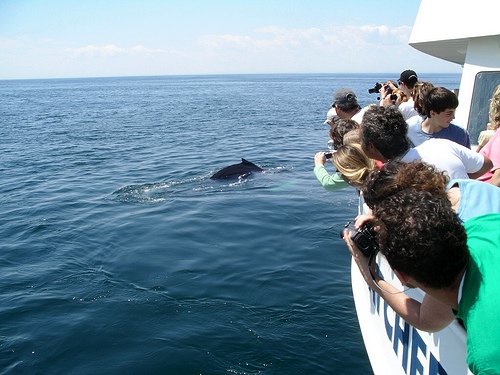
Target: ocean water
x=119, y=255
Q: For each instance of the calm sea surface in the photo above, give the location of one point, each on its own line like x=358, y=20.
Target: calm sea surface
x=120, y=256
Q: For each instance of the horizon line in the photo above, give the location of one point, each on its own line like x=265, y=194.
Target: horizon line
x=213, y=74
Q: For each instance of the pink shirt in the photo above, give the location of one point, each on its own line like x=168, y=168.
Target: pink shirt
x=492, y=151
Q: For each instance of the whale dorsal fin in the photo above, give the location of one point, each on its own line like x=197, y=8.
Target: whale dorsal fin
x=251, y=165
x=248, y=163
x=245, y=161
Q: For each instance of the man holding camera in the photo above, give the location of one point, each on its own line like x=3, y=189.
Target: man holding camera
x=400, y=94
x=406, y=83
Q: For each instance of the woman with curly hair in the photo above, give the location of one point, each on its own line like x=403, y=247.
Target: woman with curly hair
x=492, y=149
x=485, y=135
x=469, y=198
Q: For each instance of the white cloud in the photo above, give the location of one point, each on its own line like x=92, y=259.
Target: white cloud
x=274, y=37
x=266, y=38
x=92, y=50
x=387, y=34
x=142, y=49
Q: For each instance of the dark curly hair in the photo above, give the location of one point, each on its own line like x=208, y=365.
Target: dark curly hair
x=422, y=237
x=395, y=176
x=385, y=129
x=340, y=128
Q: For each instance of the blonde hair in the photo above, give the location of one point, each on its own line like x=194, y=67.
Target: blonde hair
x=352, y=136
x=495, y=108
x=351, y=161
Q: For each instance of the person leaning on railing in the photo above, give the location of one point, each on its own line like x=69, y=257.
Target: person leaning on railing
x=351, y=163
x=456, y=265
x=468, y=197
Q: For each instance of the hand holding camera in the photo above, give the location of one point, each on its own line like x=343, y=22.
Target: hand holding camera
x=321, y=157
x=386, y=90
x=365, y=238
x=375, y=88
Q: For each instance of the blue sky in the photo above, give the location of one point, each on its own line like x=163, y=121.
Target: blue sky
x=94, y=38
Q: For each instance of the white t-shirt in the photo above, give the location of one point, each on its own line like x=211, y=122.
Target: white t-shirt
x=407, y=109
x=447, y=156
x=359, y=116
x=414, y=122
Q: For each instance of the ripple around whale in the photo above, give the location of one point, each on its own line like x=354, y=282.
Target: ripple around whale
x=163, y=191
x=143, y=193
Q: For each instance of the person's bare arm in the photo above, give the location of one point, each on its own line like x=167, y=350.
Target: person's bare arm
x=487, y=165
x=431, y=315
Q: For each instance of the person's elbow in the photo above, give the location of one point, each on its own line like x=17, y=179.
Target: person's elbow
x=487, y=166
x=495, y=179
x=434, y=326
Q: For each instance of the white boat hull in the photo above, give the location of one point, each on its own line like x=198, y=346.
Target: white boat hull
x=395, y=347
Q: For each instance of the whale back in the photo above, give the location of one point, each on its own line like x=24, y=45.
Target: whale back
x=236, y=170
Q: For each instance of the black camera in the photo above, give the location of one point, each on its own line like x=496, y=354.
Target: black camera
x=365, y=238
x=328, y=155
x=394, y=97
x=375, y=88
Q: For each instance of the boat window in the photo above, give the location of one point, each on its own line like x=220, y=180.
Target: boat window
x=484, y=85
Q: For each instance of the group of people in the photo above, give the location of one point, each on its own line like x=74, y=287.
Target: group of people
x=434, y=204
